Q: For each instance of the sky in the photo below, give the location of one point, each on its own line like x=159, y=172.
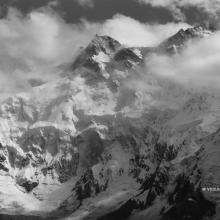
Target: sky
x=162, y=11
x=99, y=10
x=37, y=36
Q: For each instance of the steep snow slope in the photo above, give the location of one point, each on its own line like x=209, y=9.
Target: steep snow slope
x=101, y=142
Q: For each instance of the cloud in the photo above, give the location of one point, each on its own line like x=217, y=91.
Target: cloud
x=33, y=46
x=40, y=36
x=211, y=7
x=196, y=67
x=134, y=33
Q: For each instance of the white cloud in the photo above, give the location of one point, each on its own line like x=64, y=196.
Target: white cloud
x=34, y=45
x=133, y=33
x=40, y=37
x=197, y=66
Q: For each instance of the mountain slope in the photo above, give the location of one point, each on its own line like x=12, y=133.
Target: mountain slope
x=100, y=140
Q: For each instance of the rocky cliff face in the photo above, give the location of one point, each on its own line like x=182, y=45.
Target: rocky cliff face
x=98, y=144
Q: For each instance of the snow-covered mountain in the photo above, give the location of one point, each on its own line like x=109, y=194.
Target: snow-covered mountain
x=103, y=142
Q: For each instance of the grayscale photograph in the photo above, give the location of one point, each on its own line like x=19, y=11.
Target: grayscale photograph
x=109, y=109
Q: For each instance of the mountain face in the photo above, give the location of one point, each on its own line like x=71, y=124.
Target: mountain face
x=102, y=142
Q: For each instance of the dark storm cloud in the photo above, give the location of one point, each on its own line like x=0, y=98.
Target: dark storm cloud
x=206, y=12
x=99, y=10
x=156, y=11
x=24, y=6
x=105, y=9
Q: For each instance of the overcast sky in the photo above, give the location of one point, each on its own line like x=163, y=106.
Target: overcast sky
x=160, y=11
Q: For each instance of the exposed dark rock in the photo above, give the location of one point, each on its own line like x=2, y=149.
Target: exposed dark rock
x=2, y=158
x=178, y=40
x=66, y=168
x=103, y=44
x=123, y=212
x=27, y=184
x=87, y=186
x=127, y=54
x=188, y=203
x=21, y=217
x=4, y=168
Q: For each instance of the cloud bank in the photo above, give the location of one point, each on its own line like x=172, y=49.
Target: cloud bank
x=196, y=67
x=34, y=45
x=41, y=37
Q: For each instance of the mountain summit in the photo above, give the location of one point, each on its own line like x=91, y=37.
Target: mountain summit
x=182, y=36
